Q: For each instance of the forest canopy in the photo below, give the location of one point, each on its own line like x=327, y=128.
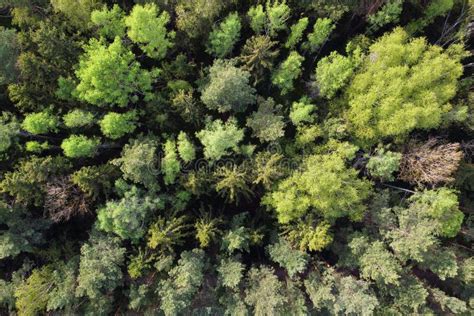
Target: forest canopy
x=231, y=157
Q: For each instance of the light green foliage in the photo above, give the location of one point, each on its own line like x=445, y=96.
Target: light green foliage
x=40, y=123
x=138, y=162
x=27, y=181
x=380, y=265
x=383, y=164
x=32, y=294
x=36, y=147
x=266, y=124
x=116, y=125
x=78, y=12
x=302, y=112
x=206, y=230
x=394, y=93
x=389, y=13
x=9, y=129
x=228, y=88
x=170, y=165
x=148, y=30
x=296, y=33
x=441, y=205
x=78, y=118
x=128, y=216
x=178, y=290
x=293, y=260
x=264, y=292
x=100, y=267
x=308, y=237
x=110, y=22
x=324, y=185
x=8, y=55
x=219, y=138
x=332, y=73
x=164, y=234
x=223, y=38
x=288, y=71
x=258, y=18
x=321, y=30
x=77, y=146
x=186, y=149
x=278, y=12
x=109, y=75
x=232, y=182
x=230, y=272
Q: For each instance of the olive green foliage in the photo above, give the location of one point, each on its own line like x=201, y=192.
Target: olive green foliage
x=332, y=73
x=321, y=30
x=77, y=12
x=219, y=138
x=258, y=55
x=115, y=125
x=293, y=260
x=195, y=17
x=309, y=237
x=393, y=94
x=148, y=30
x=232, y=182
x=165, y=233
x=110, y=22
x=9, y=129
x=78, y=118
x=228, y=88
x=109, y=75
x=230, y=272
x=8, y=54
x=207, y=230
x=77, y=146
x=96, y=181
x=40, y=123
x=389, y=13
x=266, y=124
x=223, y=38
x=264, y=292
x=288, y=71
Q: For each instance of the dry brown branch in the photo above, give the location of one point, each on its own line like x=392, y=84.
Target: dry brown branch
x=430, y=163
x=64, y=200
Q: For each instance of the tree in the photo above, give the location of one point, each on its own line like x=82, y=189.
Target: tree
x=383, y=164
x=110, y=22
x=296, y=33
x=116, y=125
x=228, y=88
x=9, y=51
x=148, y=30
x=257, y=17
x=267, y=168
x=288, y=71
x=128, y=216
x=194, y=17
x=302, y=112
x=186, y=149
x=138, y=162
x=77, y=12
x=321, y=30
x=32, y=294
x=9, y=129
x=170, y=165
x=96, y=181
x=223, y=38
x=232, y=182
x=277, y=15
x=332, y=73
x=308, y=236
x=393, y=94
x=293, y=260
x=218, y=138
x=100, y=267
x=389, y=13
x=165, y=233
x=40, y=123
x=207, y=230
x=264, y=292
x=266, y=124
x=323, y=185
x=178, y=290
x=78, y=118
x=77, y=146
x=109, y=75
x=257, y=55
x=230, y=272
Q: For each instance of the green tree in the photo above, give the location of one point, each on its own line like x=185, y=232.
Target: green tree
x=258, y=18
x=266, y=124
x=9, y=50
x=128, y=216
x=110, y=22
x=36, y=147
x=109, y=75
x=296, y=33
x=77, y=146
x=96, y=181
x=228, y=88
x=257, y=55
x=148, y=30
x=278, y=14
x=165, y=234
x=232, y=182
x=333, y=73
x=302, y=112
x=288, y=71
x=77, y=12
x=40, y=123
x=170, y=165
x=116, y=125
x=32, y=294
x=78, y=118
x=264, y=291
x=218, y=138
x=293, y=260
x=308, y=236
x=223, y=38
x=389, y=13
x=393, y=94
x=230, y=272
x=321, y=30
x=383, y=164
x=9, y=129
x=194, y=17
x=186, y=149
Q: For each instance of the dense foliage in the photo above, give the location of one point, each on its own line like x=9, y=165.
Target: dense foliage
x=230, y=157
